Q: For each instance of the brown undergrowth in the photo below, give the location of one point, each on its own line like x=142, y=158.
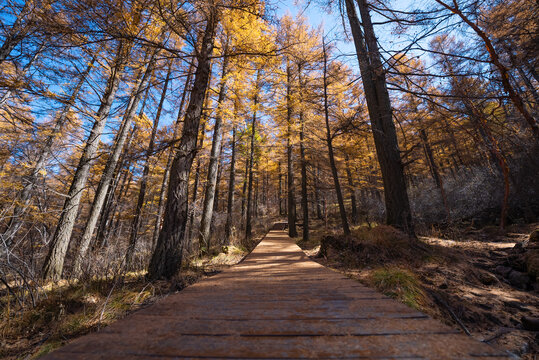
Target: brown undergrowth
x=67, y=310
x=452, y=276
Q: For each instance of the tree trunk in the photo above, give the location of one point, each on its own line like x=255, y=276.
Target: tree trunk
x=200, y=145
x=231, y=186
x=213, y=166
x=398, y=211
x=145, y=172
x=317, y=193
x=248, y=222
x=292, y=230
x=329, y=142
x=54, y=262
x=351, y=189
x=164, y=184
x=99, y=199
x=280, y=195
x=304, y=195
x=167, y=256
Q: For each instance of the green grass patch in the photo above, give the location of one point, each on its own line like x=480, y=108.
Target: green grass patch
x=400, y=284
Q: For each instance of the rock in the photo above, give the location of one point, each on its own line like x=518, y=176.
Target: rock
x=518, y=279
x=487, y=278
x=503, y=270
x=530, y=323
x=532, y=262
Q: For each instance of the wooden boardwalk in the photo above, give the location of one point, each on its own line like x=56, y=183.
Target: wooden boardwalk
x=277, y=304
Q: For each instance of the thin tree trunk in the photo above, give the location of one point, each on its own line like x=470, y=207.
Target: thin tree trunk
x=304, y=195
x=135, y=227
x=244, y=190
x=329, y=142
x=352, y=189
x=99, y=198
x=248, y=222
x=317, y=193
x=167, y=256
x=54, y=262
x=292, y=230
x=231, y=186
x=398, y=211
x=213, y=166
x=281, y=212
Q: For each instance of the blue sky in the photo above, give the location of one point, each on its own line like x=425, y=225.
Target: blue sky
x=333, y=23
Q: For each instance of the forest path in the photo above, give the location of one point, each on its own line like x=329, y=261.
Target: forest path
x=277, y=304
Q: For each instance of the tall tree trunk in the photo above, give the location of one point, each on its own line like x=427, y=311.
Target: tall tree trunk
x=244, y=190
x=231, y=186
x=280, y=195
x=99, y=198
x=54, y=262
x=200, y=145
x=329, y=143
x=351, y=189
x=317, y=193
x=292, y=230
x=398, y=211
x=31, y=179
x=248, y=222
x=135, y=227
x=213, y=166
x=164, y=184
x=304, y=195
x=167, y=256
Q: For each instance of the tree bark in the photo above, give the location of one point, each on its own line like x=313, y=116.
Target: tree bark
x=351, y=189
x=167, y=256
x=54, y=262
x=304, y=194
x=164, y=184
x=231, y=186
x=398, y=211
x=248, y=222
x=329, y=143
x=292, y=230
x=213, y=166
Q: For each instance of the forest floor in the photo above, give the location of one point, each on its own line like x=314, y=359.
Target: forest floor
x=473, y=279
x=67, y=310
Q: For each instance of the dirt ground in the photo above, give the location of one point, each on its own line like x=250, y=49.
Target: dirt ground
x=473, y=279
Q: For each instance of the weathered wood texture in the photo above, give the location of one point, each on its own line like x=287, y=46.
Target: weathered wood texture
x=277, y=304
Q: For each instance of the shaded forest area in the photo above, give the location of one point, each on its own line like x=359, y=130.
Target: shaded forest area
x=146, y=144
